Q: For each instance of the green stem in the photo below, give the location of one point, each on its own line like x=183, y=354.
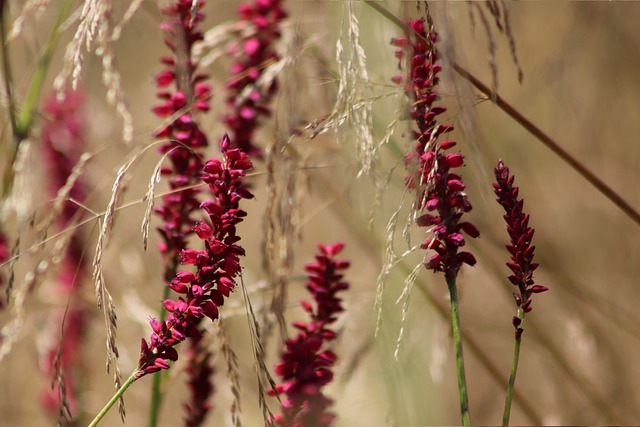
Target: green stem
x=156, y=400
x=457, y=343
x=8, y=77
x=114, y=399
x=22, y=124
x=33, y=93
x=514, y=369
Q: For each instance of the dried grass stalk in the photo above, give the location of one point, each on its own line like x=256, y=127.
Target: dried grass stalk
x=10, y=332
x=150, y=198
x=95, y=32
x=63, y=194
x=103, y=296
x=233, y=373
x=30, y=9
x=262, y=372
x=284, y=174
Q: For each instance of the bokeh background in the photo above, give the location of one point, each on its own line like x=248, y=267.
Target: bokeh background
x=578, y=363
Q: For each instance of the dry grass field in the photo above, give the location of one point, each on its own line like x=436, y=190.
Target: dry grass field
x=580, y=86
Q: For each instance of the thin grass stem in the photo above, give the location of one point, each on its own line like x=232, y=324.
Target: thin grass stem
x=118, y=394
x=346, y=213
x=22, y=124
x=514, y=369
x=551, y=144
x=457, y=344
x=6, y=68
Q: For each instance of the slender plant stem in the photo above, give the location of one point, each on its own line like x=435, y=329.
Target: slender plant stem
x=374, y=245
x=8, y=76
x=22, y=124
x=457, y=343
x=553, y=145
x=114, y=399
x=33, y=92
x=514, y=369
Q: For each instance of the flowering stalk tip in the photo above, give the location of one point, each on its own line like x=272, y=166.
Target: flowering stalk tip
x=247, y=101
x=217, y=265
x=62, y=142
x=441, y=200
x=440, y=190
x=520, y=248
x=306, y=365
x=521, y=264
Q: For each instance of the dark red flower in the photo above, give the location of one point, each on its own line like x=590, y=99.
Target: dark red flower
x=247, y=102
x=184, y=138
x=521, y=235
x=185, y=142
x=440, y=190
x=217, y=266
x=62, y=137
x=306, y=365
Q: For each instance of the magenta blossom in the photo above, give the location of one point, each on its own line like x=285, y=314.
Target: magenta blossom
x=62, y=141
x=184, y=139
x=247, y=102
x=217, y=265
x=440, y=191
x=306, y=365
x=521, y=235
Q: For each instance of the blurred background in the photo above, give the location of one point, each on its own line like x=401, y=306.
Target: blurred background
x=577, y=366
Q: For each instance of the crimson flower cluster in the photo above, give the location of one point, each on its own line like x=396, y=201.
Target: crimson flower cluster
x=62, y=137
x=305, y=366
x=441, y=192
x=183, y=135
x=253, y=55
x=217, y=265
x=185, y=141
x=521, y=235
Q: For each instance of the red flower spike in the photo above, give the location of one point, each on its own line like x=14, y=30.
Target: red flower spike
x=62, y=143
x=520, y=234
x=305, y=366
x=183, y=134
x=252, y=56
x=439, y=190
x=204, y=290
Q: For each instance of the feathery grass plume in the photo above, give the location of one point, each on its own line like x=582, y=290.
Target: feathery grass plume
x=354, y=100
x=521, y=264
x=247, y=101
x=232, y=371
x=184, y=150
x=218, y=265
x=96, y=31
x=284, y=187
x=441, y=200
x=306, y=365
x=30, y=8
x=62, y=142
